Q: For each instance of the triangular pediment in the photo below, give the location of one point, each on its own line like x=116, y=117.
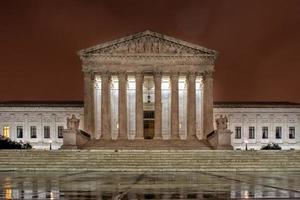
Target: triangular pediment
x=146, y=42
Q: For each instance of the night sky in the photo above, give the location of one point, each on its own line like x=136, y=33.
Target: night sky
x=257, y=40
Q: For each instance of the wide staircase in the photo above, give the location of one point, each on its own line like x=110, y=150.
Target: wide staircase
x=149, y=160
x=148, y=144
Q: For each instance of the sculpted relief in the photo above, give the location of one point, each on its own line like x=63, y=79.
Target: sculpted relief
x=147, y=44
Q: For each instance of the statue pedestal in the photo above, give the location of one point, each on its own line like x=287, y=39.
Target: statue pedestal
x=69, y=140
x=221, y=139
x=73, y=137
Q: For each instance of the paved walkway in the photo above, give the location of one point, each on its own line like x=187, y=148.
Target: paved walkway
x=200, y=185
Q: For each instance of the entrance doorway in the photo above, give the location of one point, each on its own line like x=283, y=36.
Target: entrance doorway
x=148, y=124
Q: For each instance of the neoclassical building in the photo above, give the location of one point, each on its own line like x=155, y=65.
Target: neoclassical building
x=129, y=81
x=40, y=123
x=155, y=87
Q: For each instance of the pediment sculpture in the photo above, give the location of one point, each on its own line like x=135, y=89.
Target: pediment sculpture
x=146, y=42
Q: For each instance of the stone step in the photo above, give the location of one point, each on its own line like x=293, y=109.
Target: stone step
x=147, y=160
x=154, y=152
x=220, y=160
x=160, y=161
x=90, y=153
x=153, y=166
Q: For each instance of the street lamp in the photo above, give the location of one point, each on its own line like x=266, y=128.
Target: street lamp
x=50, y=142
x=246, y=142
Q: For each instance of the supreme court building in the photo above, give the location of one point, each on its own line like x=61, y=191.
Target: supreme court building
x=151, y=86
x=148, y=85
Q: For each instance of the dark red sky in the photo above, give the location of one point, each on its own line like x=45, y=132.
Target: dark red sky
x=257, y=40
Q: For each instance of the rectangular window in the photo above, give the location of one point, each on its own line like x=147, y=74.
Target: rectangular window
x=264, y=132
x=19, y=131
x=238, y=132
x=60, y=131
x=32, y=131
x=6, y=132
x=46, y=131
x=291, y=132
x=251, y=132
x=278, y=133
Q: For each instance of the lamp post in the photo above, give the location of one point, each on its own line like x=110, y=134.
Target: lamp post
x=246, y=142
x=50, y=142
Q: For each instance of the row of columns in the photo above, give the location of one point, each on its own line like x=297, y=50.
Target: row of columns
x=89, y=119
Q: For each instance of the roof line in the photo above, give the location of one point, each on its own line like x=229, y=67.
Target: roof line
x=141, y=34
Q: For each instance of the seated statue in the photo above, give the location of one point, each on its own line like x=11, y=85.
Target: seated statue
x=73, y=123
x=221, y=123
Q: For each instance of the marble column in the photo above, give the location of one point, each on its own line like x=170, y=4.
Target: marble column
x=157, y=107
x=174, y=107
x=191, y=107
x=105, y=107
x=89, y=118
x=139, y=78
x=123, y=106
x=208, y=103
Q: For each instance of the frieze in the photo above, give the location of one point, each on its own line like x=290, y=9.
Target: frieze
x=148, y=44
x=164, y=60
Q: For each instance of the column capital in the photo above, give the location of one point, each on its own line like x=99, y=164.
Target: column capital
x=123, y=74
x=139, y=76
x=157, y=74
x=174, y=76
x=207, y=74
x=191, y=75
x=89, y=75
x=106, y=75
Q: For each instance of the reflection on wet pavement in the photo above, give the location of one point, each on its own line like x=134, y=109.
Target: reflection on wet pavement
x=198, y=185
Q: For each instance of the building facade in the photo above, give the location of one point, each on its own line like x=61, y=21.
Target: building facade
x=256, y=123
x=150, y=86
x=39, y=123
x=146, y=74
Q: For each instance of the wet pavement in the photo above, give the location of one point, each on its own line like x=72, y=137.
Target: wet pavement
x=200, y=185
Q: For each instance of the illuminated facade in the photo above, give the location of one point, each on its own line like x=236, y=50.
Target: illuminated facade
x=246, y=121
x=151, y=86
x=148, y=74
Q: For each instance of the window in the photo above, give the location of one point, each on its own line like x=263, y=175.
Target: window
x=238, y=132
x=32, y=131
x=46, y=131
x=6, y=131
x=264, y=132
x=291, y=132
x=251, y=132
x=19, y=131
x=278, y=133
x=60, y=131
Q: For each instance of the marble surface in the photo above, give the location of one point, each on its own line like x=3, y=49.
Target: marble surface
x=202, y=185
